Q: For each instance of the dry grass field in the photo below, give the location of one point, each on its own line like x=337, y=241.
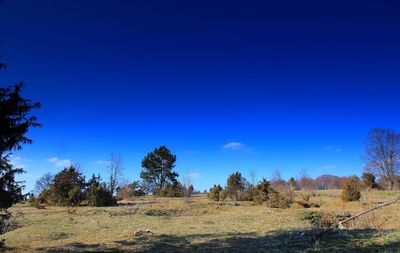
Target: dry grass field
x=201, y=225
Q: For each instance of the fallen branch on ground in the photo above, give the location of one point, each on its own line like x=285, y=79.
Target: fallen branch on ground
x=339, y=225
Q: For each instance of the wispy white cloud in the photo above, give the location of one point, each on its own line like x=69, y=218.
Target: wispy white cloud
x=194, y=175
x=15, y=159
x=102, y=162
x=328, y=167
x=332, y=148
x=18, y=161
x=233, y=145
x=59, y=162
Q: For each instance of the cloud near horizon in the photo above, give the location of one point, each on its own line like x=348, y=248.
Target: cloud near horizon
x=328, y=167
x=59, y=162
x=233, y=145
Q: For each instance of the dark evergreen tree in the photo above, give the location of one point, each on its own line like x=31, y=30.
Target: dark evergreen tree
x=157, y=170
x=67, y=187
x=14, y=124
x=98, y=194
x=235, y=184
x=262, y=191
x=94, y=181
x=369, y=180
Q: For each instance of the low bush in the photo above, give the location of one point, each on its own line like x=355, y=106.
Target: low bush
x=35, y=202
x=305, y=204
x=7, y=222
x=32, y=200
x=100, y=195
x=172, y=190
x=369, y=181
x=320, y=219
x=214, y=193
x=306, y=196
x=351, y=190
x=222, y=195
x=261, y=192
x=75, y=196
x=131, y=190
x=247, y=194
x=235, y=185
x=278, y=200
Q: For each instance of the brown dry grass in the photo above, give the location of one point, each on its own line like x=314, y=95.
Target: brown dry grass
x=200, y=225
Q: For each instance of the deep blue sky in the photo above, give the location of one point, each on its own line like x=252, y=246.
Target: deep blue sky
x=280, y=84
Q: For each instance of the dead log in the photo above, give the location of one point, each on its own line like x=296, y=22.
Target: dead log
x=340, y=223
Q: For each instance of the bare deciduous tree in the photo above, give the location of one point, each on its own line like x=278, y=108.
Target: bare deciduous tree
x=115, y=168
x=276, y=175
x=44, y=183
x=187, y=185
x=382, y=155
x=253, y=173
x=305, y=181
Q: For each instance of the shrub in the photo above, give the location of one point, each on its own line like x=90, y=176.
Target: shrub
x=277, y=200
x=261, y=192
x=100, y=196
x=190, y=190
x=4, y=219
x=369, y=181
x=214, y=193
x=246, y=194
x=32, y=200
x=35, y=202
x=59, y=235
x=305, y=204
x=39, y=205
x=171, y=190
x=67, y=187
x=293, y=184
x=130, y=190
x=75, y=196
x=322, y=221
x=235, y=184
x=306, y=196
x=222, y=195
x=351, y=191
x=45, y=197
x=7, y=223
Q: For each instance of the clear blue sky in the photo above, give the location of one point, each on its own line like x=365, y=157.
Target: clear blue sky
x=226, y=85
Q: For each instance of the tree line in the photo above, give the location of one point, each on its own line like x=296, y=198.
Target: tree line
x=69, y=187
x=279, y=193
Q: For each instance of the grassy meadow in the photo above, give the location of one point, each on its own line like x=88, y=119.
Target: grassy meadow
x=197, y=224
